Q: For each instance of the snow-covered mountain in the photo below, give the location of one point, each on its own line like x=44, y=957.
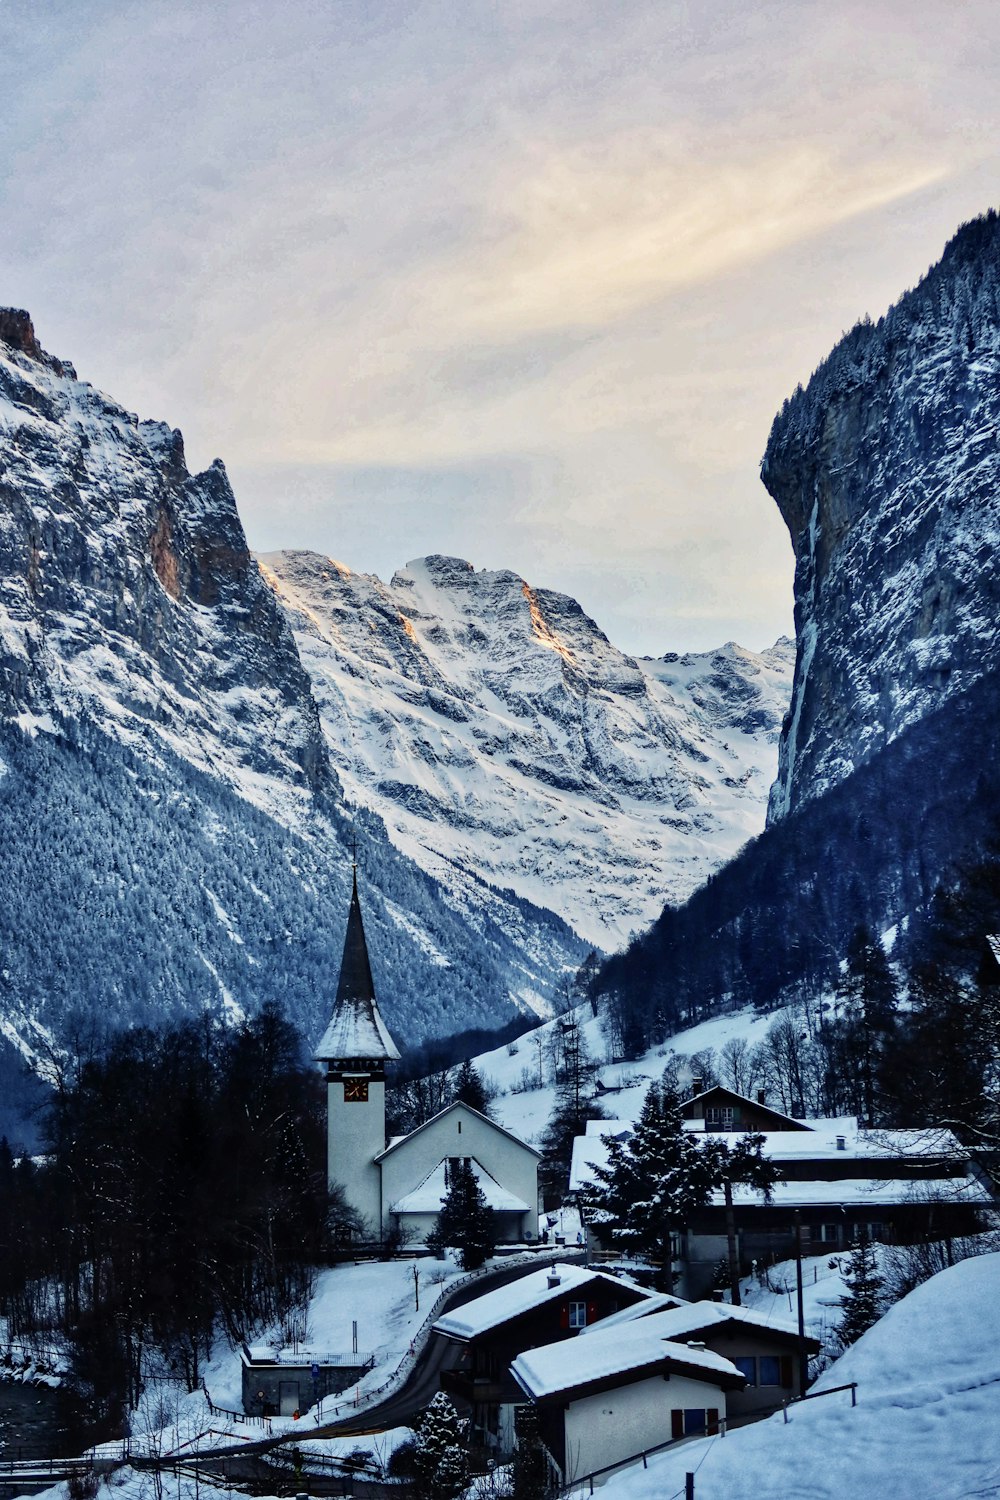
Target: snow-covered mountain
x=501, y=736
x=886, y=469
x=174, y=834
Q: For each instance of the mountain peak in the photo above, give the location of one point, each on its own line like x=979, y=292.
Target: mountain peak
x=18, y=332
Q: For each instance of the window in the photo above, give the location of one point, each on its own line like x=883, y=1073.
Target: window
x=694, y=1422
x=829, y=1234
x=747, y=1366
x=578, y=1315
x=770, y=1369
x=723, y=1116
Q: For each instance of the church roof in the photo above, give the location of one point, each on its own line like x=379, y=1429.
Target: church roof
x=427, y=1196
x=356, y=1028
x=399, y=1141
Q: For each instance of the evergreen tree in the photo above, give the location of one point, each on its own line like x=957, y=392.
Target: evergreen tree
x=469, y=1089
x=440, y=1460
x=656, y=1178
x=653, y=1181
x=529, y=1478
x=575, y=1104
x=466, y=1223
x=862, y=1305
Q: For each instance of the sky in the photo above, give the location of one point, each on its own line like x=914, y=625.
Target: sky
x=521, y=282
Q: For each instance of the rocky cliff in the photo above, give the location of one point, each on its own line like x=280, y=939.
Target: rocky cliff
x=886, y=469
x=501, y=736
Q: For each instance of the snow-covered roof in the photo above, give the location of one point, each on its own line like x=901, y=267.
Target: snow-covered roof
x=623, y=1351
x=427, y=1196
x=694, y=1317
x=818, y=1143
x=865, y=1191
x=521, y=1296
x=356, y=1028
x=401, y=1140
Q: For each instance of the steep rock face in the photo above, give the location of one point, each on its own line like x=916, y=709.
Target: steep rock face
x=500, y=735
x=128, y=594
x=886, y=469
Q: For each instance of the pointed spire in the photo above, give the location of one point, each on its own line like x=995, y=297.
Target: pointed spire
x=357, y=1028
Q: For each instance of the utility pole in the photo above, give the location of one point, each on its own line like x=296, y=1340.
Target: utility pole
x=803, y=1356
x=416, y=1289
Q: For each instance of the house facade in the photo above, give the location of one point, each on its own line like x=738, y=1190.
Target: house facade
x=415, y=1171
x=625, y=1391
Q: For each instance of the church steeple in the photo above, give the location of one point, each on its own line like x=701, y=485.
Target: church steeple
x=356, y=1029
x=355, y=1048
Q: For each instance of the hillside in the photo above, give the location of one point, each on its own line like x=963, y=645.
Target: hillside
x=924, y=1425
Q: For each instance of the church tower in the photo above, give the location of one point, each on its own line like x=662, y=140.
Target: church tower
x=355, y=1048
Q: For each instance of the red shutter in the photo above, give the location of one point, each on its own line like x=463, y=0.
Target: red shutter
x=787, y=1375
x=713, y=1421
x=676, y=1424
x=564, y=1315
x=592, y=1313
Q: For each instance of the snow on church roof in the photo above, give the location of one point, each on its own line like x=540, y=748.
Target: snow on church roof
x=356, y=1028
x=427, y=1196
x=522, y=1296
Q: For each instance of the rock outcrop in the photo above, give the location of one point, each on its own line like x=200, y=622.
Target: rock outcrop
x=886, y=469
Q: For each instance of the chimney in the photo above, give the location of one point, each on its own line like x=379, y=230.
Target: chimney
x=762, y=1096
x=554, y=1277
x=696, y=1083
x=841, y=1143
x=695, y=1343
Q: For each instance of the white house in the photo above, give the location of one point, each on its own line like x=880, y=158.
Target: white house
x=401, y=1185
x=620, y=1391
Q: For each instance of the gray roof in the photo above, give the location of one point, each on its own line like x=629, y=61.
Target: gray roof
x=356, y=1028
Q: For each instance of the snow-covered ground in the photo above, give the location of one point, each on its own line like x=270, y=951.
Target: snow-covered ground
x=526, y=1110
x=925, y=1426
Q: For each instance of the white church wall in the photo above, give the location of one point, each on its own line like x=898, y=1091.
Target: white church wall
x=461, y=1132
x=355, y=1136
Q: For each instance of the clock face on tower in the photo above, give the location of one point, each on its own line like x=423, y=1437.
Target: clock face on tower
x=355, y=1090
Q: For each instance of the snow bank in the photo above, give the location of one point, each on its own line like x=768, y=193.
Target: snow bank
x=925, y=1424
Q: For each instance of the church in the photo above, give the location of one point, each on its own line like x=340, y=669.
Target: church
x=398, y=1185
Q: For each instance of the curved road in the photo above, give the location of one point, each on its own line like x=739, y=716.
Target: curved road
x=421, y=1384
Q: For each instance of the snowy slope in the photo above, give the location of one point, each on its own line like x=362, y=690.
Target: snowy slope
x=500, y=735
x=924, y=1428
x=524, y=1105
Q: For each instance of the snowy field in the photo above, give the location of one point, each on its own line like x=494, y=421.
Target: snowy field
x=926, y=1426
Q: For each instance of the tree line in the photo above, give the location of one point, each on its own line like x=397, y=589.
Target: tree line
x=183, y=1189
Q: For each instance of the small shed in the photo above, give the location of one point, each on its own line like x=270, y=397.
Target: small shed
x=279, y=1383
